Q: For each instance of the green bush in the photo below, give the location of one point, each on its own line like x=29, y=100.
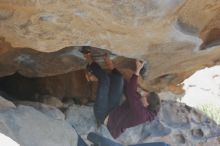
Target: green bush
x=212, y=111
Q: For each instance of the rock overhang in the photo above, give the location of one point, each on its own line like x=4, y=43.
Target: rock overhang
x=176, y=37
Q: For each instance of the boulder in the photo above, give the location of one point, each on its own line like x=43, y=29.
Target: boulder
x=52, y=101
x=176, y=124
x=6, y=104
x=29, y=127
x=48, y=110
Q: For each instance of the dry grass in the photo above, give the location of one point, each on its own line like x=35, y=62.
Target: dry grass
x=212, y=111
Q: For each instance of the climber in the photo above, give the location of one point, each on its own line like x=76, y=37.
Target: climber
x=140, y=106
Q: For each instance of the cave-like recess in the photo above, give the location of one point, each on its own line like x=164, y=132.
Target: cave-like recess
x=34, y=75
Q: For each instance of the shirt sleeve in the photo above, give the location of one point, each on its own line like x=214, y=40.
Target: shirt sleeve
x=133, y=97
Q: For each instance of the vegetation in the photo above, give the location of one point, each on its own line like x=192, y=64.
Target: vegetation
x=212, y=111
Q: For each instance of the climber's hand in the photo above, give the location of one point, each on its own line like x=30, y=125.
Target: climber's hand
x=139, y=66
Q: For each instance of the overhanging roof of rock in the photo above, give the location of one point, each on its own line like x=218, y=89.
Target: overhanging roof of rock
x=173, y=35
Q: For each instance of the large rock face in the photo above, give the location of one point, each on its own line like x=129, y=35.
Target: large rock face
x=176, y=37
x=41, y=38
x=36, y=124
x=39, y=126
x=177, y=124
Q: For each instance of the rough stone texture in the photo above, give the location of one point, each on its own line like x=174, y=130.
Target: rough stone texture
x=52, y=101
x=177, y=124
x=29, y=127
x=79, y=116
x=170, y=96
x=176, y=37
x=32, y=63
x=48, y=110
x=5, y=104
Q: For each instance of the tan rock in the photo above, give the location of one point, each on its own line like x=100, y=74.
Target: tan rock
x=175, y=36
x=52, y=101
x=5, y=104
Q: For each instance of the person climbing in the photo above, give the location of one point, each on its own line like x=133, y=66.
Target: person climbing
x=140, y=106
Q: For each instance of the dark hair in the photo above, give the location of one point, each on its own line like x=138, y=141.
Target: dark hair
x=85, y=49
x=154, y=101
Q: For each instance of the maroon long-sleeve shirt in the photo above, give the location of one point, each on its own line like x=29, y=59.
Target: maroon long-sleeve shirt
x=131, y=112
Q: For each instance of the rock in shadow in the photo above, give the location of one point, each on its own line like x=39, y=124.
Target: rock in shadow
x=197, y=133
x=175, y=115
x=6, y=14
x=155, y=128
x=186, y=28
x=211, y=40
